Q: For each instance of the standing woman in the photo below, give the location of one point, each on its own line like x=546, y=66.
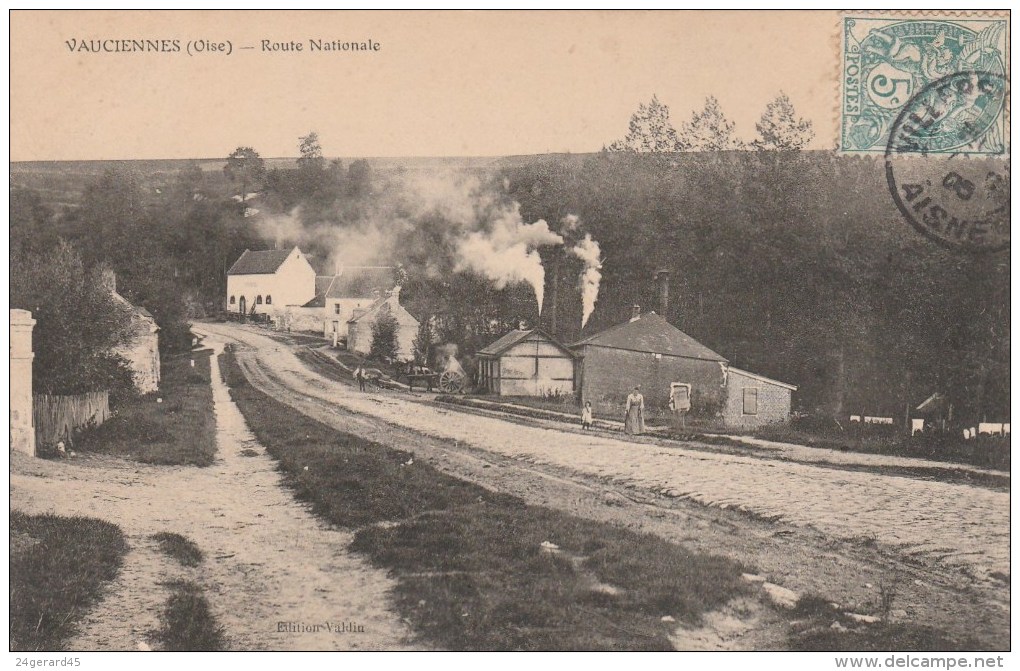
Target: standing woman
x=634, y=424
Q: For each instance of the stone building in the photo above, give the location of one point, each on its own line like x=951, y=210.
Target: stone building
x=351, y=288
x=359, y=327
x=649, y=351
x=754, y=400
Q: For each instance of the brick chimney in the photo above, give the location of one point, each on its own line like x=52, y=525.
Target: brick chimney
x=635, y=313
x=662, y=280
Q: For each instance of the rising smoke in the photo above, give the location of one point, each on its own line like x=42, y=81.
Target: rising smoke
x=440, y=223
x=587, y=249
x=507, y=251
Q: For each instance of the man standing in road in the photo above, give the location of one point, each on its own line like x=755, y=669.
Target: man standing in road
x=359, y=375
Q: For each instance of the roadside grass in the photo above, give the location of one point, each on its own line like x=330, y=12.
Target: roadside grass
x=983, y=451
x=179, y=547
x=179, y=430
x=58, y=568
x=323, y=364
x=479, y=570
x=821, y=628
x=478, y=578
x=298, y=337
x=330, y=364
x=188, y=624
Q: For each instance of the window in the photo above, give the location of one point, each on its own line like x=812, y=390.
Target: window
x=750, y=400
x=336, y=309
x=269, y=299
x=233, y=300
x=258, y=300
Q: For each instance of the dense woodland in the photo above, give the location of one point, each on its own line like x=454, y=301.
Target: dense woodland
x=794, y=264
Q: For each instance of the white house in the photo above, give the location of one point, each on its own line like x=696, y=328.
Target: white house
x=359, y=327
x=352, y=288
x=266, y=282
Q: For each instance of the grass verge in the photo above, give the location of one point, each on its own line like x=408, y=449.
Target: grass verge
x=820, y=628
x=58, y=568
x=178, y=547
x=179, y=430
x=984, y=451
x=188, y=622
x=478, y=570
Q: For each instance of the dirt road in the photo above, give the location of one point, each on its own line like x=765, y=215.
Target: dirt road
x=274, y=574
x=838, y=533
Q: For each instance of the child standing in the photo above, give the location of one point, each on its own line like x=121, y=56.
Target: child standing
x=586, y=416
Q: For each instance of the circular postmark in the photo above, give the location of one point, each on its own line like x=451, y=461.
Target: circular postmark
x=945, y=162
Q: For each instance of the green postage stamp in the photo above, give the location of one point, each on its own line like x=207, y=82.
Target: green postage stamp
x=888, y=61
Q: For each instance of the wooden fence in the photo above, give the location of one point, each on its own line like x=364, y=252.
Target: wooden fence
x=59, y=417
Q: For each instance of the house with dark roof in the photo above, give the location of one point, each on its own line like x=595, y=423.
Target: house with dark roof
x=362, y=321
x=527, y=362
x=649, y=352
x=350, y=289
x=265, y=282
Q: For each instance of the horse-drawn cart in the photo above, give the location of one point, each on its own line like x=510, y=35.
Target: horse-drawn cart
x=448, y=382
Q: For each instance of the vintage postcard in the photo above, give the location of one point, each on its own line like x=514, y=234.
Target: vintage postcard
x=511, y=331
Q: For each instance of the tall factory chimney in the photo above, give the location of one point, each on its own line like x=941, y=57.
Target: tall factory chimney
x=662, y=280
x=549, y=317
x=554, y=297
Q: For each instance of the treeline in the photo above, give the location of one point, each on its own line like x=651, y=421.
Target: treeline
x=793, y=264
x=168, y=247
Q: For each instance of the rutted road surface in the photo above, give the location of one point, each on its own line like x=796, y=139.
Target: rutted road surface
x=854, y=528
x=274, y=574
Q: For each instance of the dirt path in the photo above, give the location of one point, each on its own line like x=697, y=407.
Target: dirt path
x=845, y=555
x=268, y=560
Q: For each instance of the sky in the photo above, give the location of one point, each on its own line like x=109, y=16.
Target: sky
x=440, y=84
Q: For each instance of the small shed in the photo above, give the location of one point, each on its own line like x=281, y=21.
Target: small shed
x=754, y=400
x=527, y=363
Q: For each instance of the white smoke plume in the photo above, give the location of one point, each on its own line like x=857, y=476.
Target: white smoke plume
x=587, y=249
x=507, y=251
x=472, y=228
